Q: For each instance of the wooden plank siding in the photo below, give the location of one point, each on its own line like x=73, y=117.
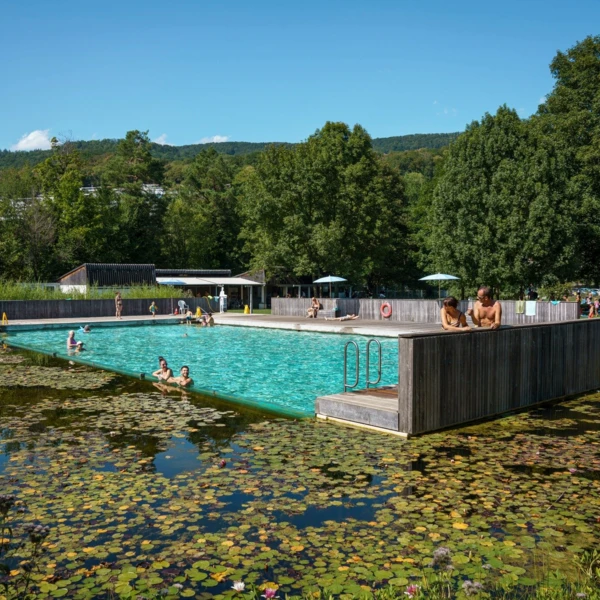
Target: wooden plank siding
x=17, y=310
x=447, y=379
x=421, y=311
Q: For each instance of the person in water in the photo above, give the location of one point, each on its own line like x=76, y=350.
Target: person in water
x=184, y=377
x=486, y=312
x=164, y=373
x=452, y=318
x=73, y=344
x=85, y=329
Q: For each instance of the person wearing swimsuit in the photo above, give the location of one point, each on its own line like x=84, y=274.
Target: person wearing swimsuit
x=452, y=318
x=118, y=304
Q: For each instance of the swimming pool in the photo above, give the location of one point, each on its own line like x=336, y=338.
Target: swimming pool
x=277, y=369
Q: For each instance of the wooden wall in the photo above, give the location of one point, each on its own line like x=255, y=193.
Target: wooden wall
x=17, y=310
x=451, y=378
x=421, y=311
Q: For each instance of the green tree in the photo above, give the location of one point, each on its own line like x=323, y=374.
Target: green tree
x=329, y=205
x=84, y=224
x=141, y=210
x=203, y=225
x=501, y=212
x=18, y=190
x=571, y=116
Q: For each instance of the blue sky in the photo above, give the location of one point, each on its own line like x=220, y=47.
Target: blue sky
x=273, y=70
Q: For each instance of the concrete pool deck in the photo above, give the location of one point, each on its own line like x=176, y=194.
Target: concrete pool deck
x=355, y=327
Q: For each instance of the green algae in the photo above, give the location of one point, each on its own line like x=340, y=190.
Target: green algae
x=145, y=489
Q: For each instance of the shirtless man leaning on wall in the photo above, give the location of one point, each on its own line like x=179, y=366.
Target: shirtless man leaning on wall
x=487, y=312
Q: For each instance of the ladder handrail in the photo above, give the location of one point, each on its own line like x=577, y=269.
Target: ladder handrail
x=369, y=363
x=346, y=386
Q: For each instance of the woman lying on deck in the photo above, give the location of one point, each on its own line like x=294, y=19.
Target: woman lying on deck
x=345, y=318
x=452, y=318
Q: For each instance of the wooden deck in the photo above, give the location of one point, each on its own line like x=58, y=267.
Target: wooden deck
x=447, y=380
x=375, y=408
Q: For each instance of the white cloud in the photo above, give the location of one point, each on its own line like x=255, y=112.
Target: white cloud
x=36, y=140
x=215, y=139
x=162, y=140
x=452, y=112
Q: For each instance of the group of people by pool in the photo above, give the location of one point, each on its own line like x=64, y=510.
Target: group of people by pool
x=165, y=375
x=72, y=343
x=486, y=312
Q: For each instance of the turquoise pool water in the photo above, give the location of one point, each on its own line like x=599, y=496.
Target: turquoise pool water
x=284, y=370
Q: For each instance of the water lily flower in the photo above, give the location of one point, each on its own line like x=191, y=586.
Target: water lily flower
x=222, y=463
x=269, y=593
x=472, y=588
x=412, y=590
x=572, y=470
x=179, y=586
x=238, y=586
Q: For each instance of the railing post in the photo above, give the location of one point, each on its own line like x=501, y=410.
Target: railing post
x=346, y=386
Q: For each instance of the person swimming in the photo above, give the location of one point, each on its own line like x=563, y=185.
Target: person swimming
x=72, y=343
x=85, y=329
x=184, y=377
x=164, y=373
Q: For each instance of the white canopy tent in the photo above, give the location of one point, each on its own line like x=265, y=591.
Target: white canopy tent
x=212, y=282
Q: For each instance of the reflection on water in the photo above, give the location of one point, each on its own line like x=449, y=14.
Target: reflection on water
x=136, y=475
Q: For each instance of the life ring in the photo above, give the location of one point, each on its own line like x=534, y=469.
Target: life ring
x=386, y=310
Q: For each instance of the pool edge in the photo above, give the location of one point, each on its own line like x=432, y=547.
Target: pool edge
x=293, y=414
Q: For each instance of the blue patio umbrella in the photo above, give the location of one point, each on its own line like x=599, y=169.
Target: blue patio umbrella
x=439, y=277
x=329, y=279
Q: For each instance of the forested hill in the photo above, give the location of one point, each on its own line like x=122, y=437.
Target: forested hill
x=92, y=148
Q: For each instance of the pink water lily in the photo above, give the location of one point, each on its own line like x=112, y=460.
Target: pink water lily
x=269, y=593
x=412, y=590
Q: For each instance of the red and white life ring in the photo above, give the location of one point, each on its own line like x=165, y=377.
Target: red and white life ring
x=386, y=310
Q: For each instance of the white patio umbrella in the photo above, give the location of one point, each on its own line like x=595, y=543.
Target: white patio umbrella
x=439, y=277
x=329, y=279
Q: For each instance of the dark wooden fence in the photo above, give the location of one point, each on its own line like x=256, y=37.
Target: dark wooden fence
x=421, y=311
x=17, y=310
x=451, y=378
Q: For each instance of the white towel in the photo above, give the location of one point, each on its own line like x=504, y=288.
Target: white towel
x=530, y=308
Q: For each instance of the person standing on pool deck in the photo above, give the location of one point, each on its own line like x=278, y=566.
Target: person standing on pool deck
x=164, y=372
x=118, y=304
x=486, y=312
x=184, y=378
x=153, y=308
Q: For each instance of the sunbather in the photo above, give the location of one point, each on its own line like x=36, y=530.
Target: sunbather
x=344, y=318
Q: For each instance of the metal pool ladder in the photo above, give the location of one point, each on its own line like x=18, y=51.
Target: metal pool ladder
x=347, y=386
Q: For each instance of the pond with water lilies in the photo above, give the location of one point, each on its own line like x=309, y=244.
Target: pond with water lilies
x=149, y=491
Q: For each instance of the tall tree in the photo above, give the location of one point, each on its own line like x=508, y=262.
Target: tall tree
x=571, y=116
x=141, y=210
x=501, y=212
x=202, y=225
x=84, y=224
x=329, y=205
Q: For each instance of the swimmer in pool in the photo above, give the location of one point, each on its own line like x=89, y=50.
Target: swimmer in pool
x=164, y=373
x=184, y=379
x=73, y=344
